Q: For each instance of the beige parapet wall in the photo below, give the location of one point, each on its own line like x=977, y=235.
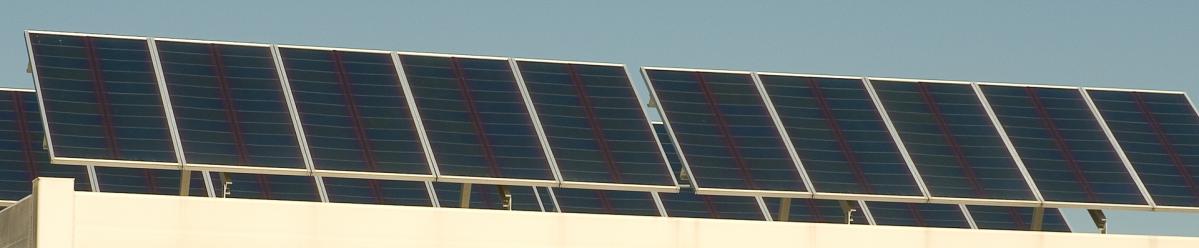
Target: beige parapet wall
x=64, y=218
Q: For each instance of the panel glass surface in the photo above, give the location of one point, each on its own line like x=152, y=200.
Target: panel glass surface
x=146, y=181
x=921, y=215
x=355, y=114
x=101, y=98
x=1062, y=145
x=22, y=157
x=606, y=202
x=229, y=105
x=476, y=118
x=266, y=187
x=1013, y=218
x=488, y=197
x=688, y=204
x=952, y=140
x=1160, y=135
x=839, y=135
x=727, y=136
x=816, y=211
x=367, y=191
x=594, y=123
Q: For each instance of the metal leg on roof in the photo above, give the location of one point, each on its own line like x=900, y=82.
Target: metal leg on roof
x=1100, y=219
x=227, y=185
x=464, y=199
x=1038, y=218
x=185, y=182
x=29, y=67
x=848, y=209
x=505, y=195
x=784, y=209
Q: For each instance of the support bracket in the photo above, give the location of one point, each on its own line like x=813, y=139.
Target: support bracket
x=506, y=196
x=464, y=198
x=185, y=182
x=1038, y=218
x=848, y=209
x=1099, y=218
x=784, y=209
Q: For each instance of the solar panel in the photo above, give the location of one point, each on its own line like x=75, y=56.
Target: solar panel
x=1159, y=134
x=370, y=191
x=725, y=134
x=595, y=126
x=147, y=181
x=483, y=196
x=266, y=187
x=1016, y=218
x=355, y=113
x=101, y=100
x=22, y=158
x=920, y=215
x=839, y=135
x=229, y=105
x=1061, y=143
x=951, y=140
x=815, y=211
x=605, y=202
x=688, y=204
x=476, y=119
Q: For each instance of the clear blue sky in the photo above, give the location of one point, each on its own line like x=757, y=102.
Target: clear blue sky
x=1087, y=43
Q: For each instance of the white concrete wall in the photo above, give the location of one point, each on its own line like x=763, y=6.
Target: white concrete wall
x=126, y=220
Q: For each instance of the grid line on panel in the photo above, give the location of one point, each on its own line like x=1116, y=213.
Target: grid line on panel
x=723, y=126
x=475, y=119
x=93, y=64
x=831, y=121
x=1166, y=145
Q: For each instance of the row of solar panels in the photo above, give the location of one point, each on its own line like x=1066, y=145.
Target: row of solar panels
x=291, y=110
x=22, y=159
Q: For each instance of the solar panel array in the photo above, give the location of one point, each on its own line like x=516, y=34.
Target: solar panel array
x=366, y=126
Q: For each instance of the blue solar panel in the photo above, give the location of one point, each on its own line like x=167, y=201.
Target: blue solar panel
x=369, y=191
x=146, y=181
x=727, y=137
x=476, y=119
x=1159, y=134
x=101, y=98
x=488, y=197
x=229, y=105
x=594, y=124
x=1013, y=218
x=21, y=155
x=267, y=187
x=839, y=135
x=921, y=215
x=688, y=204
x=1062, y=145
x=952, y=141
x=355, y=113
x=606, y=202
x=816, y=211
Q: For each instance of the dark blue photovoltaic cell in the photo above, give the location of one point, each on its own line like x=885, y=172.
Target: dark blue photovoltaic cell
x=488, y=197
x=21, y=155
x=1013, y=218
x=267, y=187
x=368, y=191
x=606, y=202
x=1160, y=135
x=672, y=155
x=688, y=204
x=101, y=98
x=1062, y=145
x=475, y=118
x=229, y=105
x=921, y=215
x=839, y=135
x=817, y=211
x=355, y=114
x=595, y=125
x=952, y=141
x=725, y=131
x=145, y=181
